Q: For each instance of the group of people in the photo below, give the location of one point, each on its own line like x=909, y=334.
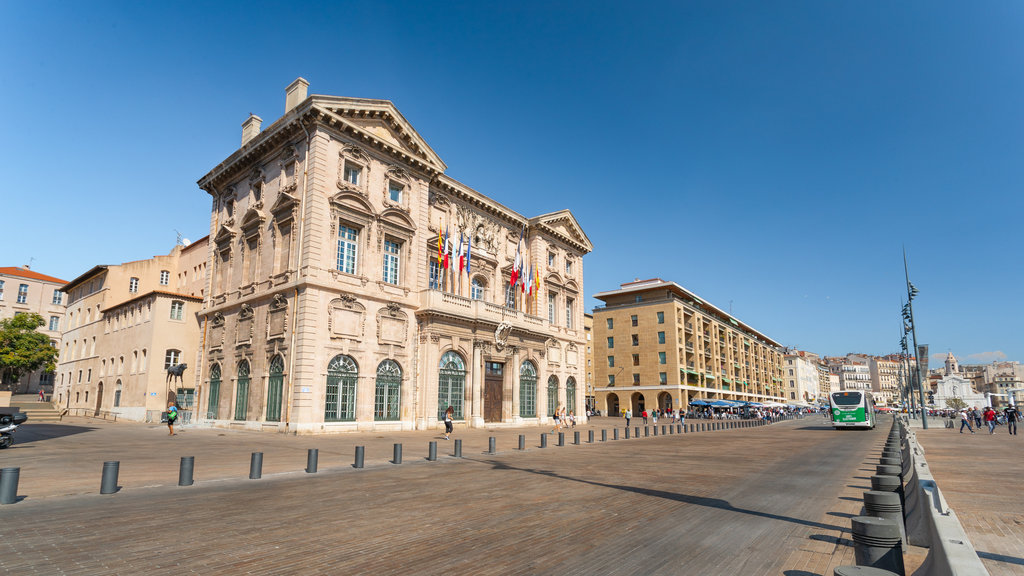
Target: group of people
x=991, y=419
x=563, y=419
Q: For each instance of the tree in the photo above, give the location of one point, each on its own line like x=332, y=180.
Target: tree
x=955, y=403
x=23, y=349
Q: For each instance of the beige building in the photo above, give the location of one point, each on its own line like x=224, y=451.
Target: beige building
x=25, y=291
x=657, y=345
x=329, y=309
x=125, y=325
x=885, y=380
x=800, y=377
x=588, y=331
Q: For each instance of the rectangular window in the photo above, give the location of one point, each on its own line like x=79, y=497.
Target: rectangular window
x=395, y=192
x=636, y=379
x=661, y=337
x=348, y=244
x=636, y=339
x=661, y=358
x=435, y=275
x=611, y=379
x=568, y=267
x=1, y=289
x=662, y=378
x=476, y=291
x=165, y=277
x=611, y=361
x=633, y=320
x=58, y=296
x=352, y=173
x=636, y=359
x=54, y=323
x=568, y=312
x=611, y=342
x=551, y=259
x=170, y=359
x=133, y=285
x=177, y=310
x=22, y=293
x=391, y=250
x=610, y=323
x=661, y=317
x=551, y=308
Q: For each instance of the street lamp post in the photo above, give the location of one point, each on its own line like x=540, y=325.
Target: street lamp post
x=908, y=315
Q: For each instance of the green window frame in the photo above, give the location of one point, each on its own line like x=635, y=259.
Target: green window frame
x=213, y=402
x=242, y=391
x=275, y=388
x=527, y=390
x=451, y=385
x=552, y=394
x=570, y=393
x=388, y=391
x=342, y=375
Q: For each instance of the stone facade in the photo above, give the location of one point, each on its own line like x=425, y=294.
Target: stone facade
x=657, y=345
x=801, y=378
x=124, y=325
x=329, y=309
x=25, y=291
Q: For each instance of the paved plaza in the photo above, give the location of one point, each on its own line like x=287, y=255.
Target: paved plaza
x=768, y=500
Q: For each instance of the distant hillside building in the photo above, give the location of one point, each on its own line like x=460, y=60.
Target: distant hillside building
x=657, y=345
x=24, y=291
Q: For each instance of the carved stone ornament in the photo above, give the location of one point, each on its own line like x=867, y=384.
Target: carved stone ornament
x=397, y=173
x=218, y=319
x=245, y=311
x=279, y=303
x=256, y=175
x=501, y=334
x=437, y=199
x=393, y=309
x=347, y=300
x=482, y=229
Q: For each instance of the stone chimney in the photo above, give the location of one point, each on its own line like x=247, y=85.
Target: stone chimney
x=251, y=128
x=295, y=93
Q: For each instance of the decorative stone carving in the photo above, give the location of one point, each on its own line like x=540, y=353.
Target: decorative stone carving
x=397, y=173
x=346, y=318
x=571, y=354
x=435, y=198
x=392, y=325
x=256, y=175
x=501, y=334
x=279, y=303
x=483, y=230
x=243, y=329
x=245, y=311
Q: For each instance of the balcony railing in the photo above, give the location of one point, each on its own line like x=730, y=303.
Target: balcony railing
x=475, y=309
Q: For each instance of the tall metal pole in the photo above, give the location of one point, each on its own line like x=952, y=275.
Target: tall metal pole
x=905, y=366
x=913, y=331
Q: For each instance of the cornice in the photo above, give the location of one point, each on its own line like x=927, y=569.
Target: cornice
x=470, y=196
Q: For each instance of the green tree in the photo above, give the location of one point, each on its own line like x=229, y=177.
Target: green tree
x=23, y=349
x=955, y=403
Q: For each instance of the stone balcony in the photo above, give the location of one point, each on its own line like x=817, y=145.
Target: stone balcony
x=443, y=303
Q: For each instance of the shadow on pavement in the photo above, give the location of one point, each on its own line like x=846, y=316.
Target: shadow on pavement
x=814, y=428
x=1001, y=558
x=28, y=433
x=687, y=498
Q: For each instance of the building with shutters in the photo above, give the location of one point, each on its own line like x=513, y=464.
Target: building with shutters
x=329, y=308
x=25, y=291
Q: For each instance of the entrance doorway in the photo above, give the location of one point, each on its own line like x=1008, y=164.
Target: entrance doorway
x=613, y=405
x=638, y=404
x=494, y=385
x=665, y=401
x=99, y=399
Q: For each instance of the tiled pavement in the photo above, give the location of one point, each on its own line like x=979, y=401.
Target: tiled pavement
x=982, y=478
x=768, y=500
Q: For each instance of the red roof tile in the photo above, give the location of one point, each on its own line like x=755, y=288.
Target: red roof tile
x=23, y=273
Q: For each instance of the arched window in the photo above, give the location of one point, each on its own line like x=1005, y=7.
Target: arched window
x=242, y=394
x=213, y=402
x=388, y=391
x=476, y=289
x=552, y=394
x=342, y=375
x=275, y=385
x=451, y=385
x=570, y=394
x=527, y=390
x=117, y=393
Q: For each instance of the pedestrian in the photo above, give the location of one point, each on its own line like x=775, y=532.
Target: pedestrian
x=629, y=416
x=965, y=420
x=449, y=427
x=1012, y=414
x=976, y=414
x=558, y=419
x=644, y=416
x=42, y=395
x=172, y=416
x=655, y=417
x=990, y=419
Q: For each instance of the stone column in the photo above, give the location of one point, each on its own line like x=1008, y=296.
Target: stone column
x=476, y=415
x=514, y=417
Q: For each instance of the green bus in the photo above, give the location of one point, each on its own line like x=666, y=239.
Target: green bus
x=852, y=409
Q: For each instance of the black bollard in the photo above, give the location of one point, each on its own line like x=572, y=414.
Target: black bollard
x=636, y=431
x=312, y=457
x=256, y=466
x=576, y=437
x=360, y=453
x=458, y=448
x=647, y=431
x=185, y=469
x=398, y=454
x=590, y=436
x=877, y=543
x=885, y=505
x=615, y=435
x=561, y=438
x=108, y=484
x=432, y=451
x=522, y=442
x=491, y=445
x=627, y=433
x=9, y=485
x=543, y=440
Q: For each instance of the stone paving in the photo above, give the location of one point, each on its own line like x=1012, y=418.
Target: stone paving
x=982, y=478
x=768, y=500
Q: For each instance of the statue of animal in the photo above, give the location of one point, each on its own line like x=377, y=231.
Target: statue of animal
x=176, y=371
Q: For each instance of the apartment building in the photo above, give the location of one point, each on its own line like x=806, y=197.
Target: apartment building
x=801, y=378
x=25, y=291
x=658, y=345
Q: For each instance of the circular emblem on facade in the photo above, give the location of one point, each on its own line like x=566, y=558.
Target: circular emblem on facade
x=501, y=334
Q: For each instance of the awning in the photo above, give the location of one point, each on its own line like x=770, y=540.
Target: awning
x=734, y=323
x=709, y=376
x=699, y=403
x=722, y=404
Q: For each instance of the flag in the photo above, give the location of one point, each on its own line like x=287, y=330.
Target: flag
x=440, y=257
x=445, y=264
x=462, y=254
x=518, y=262
x=469, y=253
x=536, y=282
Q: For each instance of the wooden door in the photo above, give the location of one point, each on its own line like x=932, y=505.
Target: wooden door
x=494, y=384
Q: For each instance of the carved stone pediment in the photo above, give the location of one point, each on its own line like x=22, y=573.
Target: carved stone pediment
x=224, y=234
x=284, y=206
x=253, y=218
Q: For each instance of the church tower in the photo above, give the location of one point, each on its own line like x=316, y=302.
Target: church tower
x=951, y=365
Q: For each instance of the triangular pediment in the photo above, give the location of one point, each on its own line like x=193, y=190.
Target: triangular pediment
x=284, y=205
x=224, y=234
x=563, y=225
x=380, y=120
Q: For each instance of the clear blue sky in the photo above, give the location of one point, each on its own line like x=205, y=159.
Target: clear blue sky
x=773, y=157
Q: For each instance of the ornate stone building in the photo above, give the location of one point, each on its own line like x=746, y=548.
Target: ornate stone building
x=328, y=306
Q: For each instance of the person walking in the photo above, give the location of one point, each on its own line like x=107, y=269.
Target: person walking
x=449, y=427
x=965, y=420
x=644, y=416
x=990, y=419
x=1012, y=414
x=976, y=414
x=629, y=416
x=172, y=417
